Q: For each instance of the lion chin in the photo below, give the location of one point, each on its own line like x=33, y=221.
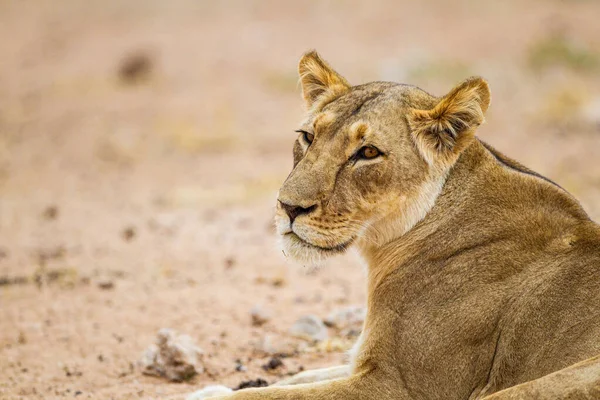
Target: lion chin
x=306, y=253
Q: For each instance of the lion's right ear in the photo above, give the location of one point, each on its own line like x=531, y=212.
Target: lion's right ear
x=444, y=131
x=319, y=80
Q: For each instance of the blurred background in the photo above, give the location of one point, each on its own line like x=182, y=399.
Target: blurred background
x=142, y=143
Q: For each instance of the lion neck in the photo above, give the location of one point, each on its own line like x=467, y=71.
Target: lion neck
x=408, y=211
x=386, y=245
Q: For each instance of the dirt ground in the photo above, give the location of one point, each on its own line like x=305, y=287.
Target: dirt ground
x=142, y=144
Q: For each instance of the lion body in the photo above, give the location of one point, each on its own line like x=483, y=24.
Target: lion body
x=498, y=285
x=483, y=276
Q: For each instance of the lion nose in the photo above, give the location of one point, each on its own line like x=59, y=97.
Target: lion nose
x=294, y=211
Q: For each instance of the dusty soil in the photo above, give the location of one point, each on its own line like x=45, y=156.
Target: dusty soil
x=142, y=144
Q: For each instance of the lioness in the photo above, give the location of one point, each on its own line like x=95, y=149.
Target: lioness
x=483, y=276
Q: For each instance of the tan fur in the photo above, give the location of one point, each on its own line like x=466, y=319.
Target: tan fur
x=319, y=80
x=483, y=276
x=443, y=132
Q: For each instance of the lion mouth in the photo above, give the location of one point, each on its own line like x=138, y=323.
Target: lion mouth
x=339, y=248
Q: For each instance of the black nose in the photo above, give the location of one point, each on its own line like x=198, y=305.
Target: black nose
x=294, y=211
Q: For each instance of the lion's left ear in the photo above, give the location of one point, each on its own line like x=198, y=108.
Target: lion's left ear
x=444, y=131
x=319, y=80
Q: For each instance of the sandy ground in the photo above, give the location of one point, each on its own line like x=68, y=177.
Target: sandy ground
x=142, y=144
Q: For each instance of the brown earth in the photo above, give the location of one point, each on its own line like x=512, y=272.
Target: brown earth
x=142, y=144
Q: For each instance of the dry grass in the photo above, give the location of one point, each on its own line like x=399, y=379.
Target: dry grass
x=558, y=50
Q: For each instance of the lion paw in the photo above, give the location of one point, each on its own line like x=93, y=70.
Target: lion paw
x=209, y=392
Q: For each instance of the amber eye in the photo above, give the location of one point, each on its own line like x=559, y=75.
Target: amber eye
x=308, y=137
x=369, y=152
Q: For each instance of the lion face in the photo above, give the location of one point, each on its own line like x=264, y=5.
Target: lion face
x=363, y=169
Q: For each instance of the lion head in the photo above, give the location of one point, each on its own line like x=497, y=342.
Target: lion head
x=369, y=160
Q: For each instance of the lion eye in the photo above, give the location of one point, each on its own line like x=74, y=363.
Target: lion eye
x=369, y=152
x=307, y=136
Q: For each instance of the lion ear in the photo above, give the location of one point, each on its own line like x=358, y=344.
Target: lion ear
x=444, y=131
x=318, y=79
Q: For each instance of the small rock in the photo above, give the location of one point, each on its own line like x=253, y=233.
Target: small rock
x=351, y=333
x=136, y=68
x=274, y=363
x=310, y=327
x=105, y=283
x=346, y=317
x=128, y=233
x=208, y=392
x=229, y=262
x=265, y=345
x=50, y=213
x=278, y=281
x=239, y=367
x=174, y=357
x=259, y=316
x=253, y=383
x=66, y=277
x=271, y=346
x=70, y=372
x=17, y=280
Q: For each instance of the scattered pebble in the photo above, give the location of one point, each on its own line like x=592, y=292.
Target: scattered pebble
x=135, y=68
x=66, y=277
x=128, y=233
x=309, y=327
x=174, y=357
x=50, y=213
x=279, y=281
x=259, y=316
x=266, y=345
x=276, y=281
x=239, y=367
x=274, y=363
x=17, y=280
x=346, y=317
x=351, y=333
x=105, y=283
x=273, y=345
x=229, y=262
x=72, y=372
x=253, y=383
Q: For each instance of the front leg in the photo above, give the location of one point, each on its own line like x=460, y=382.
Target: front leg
x=312, y=376
x=317, y=375
x=367, y=385
x=580, y=381
x=353, y=388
